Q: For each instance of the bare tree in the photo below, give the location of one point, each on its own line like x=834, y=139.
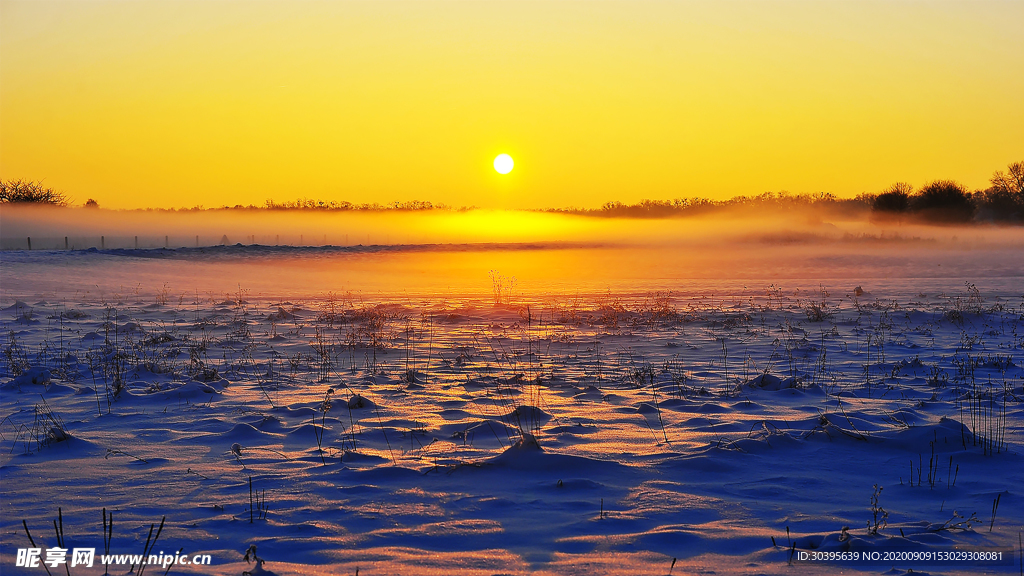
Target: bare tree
x=1012, y=182
x=22, y=191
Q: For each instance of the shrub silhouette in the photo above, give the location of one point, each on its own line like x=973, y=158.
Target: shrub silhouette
x=22, y=191
x=943, y=201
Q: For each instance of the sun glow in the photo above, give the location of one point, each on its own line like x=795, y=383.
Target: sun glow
x=503, y=163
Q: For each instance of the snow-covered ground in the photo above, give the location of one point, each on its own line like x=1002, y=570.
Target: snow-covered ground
x=402, y=423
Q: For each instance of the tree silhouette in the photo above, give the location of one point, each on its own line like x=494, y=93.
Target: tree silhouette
x=943, y=201
x=896, y=198
x=1004, y=199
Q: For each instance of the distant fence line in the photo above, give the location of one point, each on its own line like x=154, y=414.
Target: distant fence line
x=149, y=242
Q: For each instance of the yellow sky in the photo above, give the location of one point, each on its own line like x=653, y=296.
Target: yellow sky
x=173, y=103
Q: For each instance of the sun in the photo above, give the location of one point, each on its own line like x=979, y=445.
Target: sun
x=503, y=163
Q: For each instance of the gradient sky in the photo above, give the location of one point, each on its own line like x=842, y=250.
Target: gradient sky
x=174, y=103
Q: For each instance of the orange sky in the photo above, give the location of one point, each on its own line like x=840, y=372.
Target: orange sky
x=173, y=103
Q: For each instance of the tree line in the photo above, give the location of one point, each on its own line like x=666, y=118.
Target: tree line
x=939, y=201
x=950, y=201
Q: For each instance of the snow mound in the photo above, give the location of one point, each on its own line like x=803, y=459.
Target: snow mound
x=772, y=382
x=527, y=415
x=281, y=314
x=190, y=389
x=359, y=401
x=34, y=375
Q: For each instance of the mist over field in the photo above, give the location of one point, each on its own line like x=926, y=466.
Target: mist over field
x=424, y=251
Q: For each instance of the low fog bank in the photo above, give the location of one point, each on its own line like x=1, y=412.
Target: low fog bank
x=453, y=254
x=81, y=228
